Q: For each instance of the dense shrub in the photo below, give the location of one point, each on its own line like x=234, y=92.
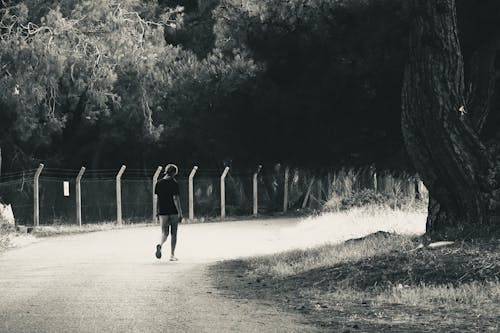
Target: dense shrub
x=363, y=198
x=370, y=197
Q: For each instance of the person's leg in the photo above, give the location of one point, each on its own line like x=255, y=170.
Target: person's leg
x=164, y=228
x=173, y=240
x=164, y=234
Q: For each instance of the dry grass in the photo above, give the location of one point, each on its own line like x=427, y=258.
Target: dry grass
x=4, y=240
x=449, y=296
x=379, y=283
x=10, y=238
x=300, y=261
x=357, y=222
x=67, y=229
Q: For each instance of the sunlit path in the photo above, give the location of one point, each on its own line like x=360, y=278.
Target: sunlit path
x=110, y=281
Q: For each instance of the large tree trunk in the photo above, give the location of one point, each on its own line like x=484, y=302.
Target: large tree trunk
x=440, y=135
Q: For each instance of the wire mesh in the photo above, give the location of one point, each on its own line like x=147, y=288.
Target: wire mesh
x=55, y=206
x=271, y=190
x=137, y=201
x=98, y=200
x=238, y=195
x=19, y=193
x=206, y=195
x=306, y=188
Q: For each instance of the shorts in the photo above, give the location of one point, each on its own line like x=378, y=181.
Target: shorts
x=171, y=221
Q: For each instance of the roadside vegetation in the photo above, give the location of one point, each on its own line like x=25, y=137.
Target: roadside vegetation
x=65, y=229
x=10, y=237
x=4, y=237
x=382, y=282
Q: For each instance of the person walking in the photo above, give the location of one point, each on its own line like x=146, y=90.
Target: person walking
x=169, y=209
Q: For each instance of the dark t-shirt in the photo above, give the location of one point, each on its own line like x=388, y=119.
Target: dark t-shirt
x=166, y=189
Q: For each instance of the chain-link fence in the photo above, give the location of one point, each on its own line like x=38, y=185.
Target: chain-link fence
x=16, y=188
x=306, y=189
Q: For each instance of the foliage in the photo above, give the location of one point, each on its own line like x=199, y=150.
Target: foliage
x=6, y=232
x=96, y=77
x=77, y=71
x=327, y=89
x=369, y=197
x=363, y=198
x=107, y=82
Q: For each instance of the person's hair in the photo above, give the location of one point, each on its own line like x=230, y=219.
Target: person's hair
x=171, y=170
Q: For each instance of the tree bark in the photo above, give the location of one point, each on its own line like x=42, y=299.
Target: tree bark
x=440, y=136
x=482, y=83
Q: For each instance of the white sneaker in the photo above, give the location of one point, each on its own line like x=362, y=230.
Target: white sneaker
x=172, y=258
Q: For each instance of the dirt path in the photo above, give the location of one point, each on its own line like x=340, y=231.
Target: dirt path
x=111, y=282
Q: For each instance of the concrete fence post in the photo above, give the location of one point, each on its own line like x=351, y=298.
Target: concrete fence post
x=256, y=191
x=36, y=198
x=330, y=186
x=191, y=193
x=320, y=190
x=308, y=193
x=285, y=189
x=78, y=196
x=223, y=193
x=154, y=196
x=119, y=195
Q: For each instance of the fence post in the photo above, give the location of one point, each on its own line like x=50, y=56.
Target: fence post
x=308, y=193
x=223, y=193
x=119, y=195
x=285, y=190
x=155, y=198
x=191, y=193
x=78, y=196
x=320, y=190
x=329, y=189
x=36, y=199
x=255, y=191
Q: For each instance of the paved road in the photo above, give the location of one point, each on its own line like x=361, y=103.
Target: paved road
x=111, y=282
